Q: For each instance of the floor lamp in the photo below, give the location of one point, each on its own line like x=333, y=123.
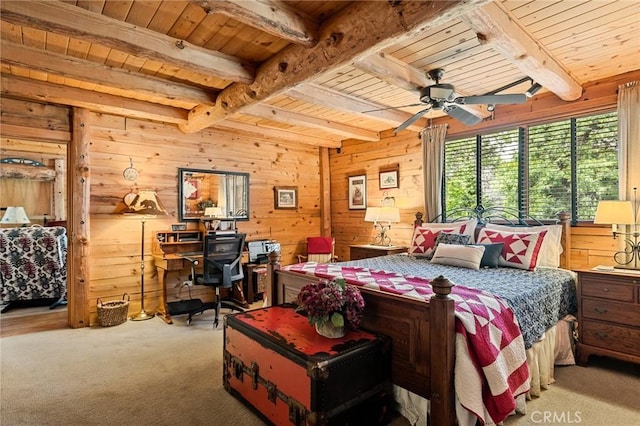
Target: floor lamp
x=147, y=204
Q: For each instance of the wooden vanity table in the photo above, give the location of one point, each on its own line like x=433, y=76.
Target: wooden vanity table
x=169, y=249
x=172, y=251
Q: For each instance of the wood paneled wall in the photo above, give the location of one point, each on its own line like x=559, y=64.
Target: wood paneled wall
x=369, y=158
x=157, y=151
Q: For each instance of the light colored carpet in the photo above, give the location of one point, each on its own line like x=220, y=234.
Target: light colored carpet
x=136, y=373
x=150, y=373
x=605, y=393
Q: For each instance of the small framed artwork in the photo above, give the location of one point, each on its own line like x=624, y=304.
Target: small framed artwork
x=179, y=227
x=389, y=179
x=286, y=197
x=358, y=192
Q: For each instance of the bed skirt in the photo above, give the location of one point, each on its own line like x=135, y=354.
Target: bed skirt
x=555, y=347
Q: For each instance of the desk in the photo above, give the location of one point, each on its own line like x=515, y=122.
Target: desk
x=170, y=250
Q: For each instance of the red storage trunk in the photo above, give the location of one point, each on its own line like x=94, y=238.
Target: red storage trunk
x=276, y=363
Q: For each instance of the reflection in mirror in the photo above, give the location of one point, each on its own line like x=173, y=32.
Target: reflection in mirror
x=201, y=189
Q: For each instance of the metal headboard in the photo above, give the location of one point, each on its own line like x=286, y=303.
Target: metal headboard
x=484, y=215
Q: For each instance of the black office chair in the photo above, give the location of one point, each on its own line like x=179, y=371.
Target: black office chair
x=222, y=267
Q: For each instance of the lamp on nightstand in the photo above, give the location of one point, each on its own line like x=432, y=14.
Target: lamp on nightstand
x=614, y=213
x=387, y=213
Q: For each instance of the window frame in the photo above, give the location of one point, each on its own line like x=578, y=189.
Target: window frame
x=523, y=200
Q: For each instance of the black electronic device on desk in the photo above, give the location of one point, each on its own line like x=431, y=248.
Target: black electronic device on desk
x=259, y=250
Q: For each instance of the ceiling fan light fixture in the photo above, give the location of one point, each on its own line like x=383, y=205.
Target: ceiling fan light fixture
x=491, y=107
x=535, y=87
x=437, y=91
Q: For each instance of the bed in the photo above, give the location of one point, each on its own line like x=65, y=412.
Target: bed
x=33, y=265
x=424, y=329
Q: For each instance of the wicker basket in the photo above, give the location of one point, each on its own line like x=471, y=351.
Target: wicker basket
x=113, y=313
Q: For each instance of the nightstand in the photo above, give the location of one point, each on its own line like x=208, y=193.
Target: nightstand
x=608, y=315
x=366, y=251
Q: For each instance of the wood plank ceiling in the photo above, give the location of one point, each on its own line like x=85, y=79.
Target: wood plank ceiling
x=315, y=72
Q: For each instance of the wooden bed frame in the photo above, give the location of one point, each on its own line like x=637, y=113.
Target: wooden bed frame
x=423, y=334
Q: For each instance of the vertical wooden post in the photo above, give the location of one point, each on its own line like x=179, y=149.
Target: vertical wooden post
x=565, y=240
x=59, y=199
x=325, y=193
x=78, y=220
x=272, y=290
x=442, y=339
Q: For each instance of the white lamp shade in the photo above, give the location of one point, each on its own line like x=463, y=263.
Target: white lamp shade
x=382, y=214
x=371, y=214
x=614, y=212
x=389, y=214
x=213, y=211
x=15, y=215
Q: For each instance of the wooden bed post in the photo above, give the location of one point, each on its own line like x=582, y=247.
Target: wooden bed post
x=442, y=338
x=565, y=240
x=272, y=290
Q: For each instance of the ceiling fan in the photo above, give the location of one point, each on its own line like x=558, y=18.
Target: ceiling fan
x=443, y=96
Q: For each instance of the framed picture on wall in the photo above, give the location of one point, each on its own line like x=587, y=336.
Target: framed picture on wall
x=285, y=197
x=389, y=179
x=357, y=192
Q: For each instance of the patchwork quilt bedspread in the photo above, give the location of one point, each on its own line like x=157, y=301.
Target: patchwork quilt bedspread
x=488, y=326
x=539, y=298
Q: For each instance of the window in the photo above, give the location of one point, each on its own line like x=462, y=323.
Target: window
x=538, y=170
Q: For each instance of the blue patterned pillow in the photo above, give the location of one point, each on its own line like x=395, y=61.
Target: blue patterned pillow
x=458, y=239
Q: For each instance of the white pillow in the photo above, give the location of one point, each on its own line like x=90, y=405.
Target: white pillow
x=457, y=255
x=469, y=227
x=521, y=249
x=551, y=246
x=424, y=237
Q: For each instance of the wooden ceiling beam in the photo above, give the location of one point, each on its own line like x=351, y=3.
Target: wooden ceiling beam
x=73, y=21
x=319, y=95
x=358, y=30
x=24, y=88
x=161, y=90
x=281, y=115
x=277, y=134
x=497, y=28
x=273, y=17
x=402, y=75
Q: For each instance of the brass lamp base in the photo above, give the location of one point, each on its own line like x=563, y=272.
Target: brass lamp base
x=142, y=316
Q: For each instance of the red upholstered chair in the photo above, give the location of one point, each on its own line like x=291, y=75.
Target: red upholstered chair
x=319, y=249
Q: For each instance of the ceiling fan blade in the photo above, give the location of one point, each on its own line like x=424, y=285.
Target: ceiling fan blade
x=517, y=98
x=461, y=115
x=391, y=107
x=411, y=120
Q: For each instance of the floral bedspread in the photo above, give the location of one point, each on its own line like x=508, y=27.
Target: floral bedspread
x=539, y=298
x=32, y=263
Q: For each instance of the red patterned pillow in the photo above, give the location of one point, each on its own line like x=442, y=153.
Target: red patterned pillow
x=520, y=248
x=424, y=237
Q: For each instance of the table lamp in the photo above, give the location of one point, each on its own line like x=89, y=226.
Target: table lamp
x=387, y=214
x=15, y=216
x=614, y=213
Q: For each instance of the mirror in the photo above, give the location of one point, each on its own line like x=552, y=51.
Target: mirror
x=227, y=192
